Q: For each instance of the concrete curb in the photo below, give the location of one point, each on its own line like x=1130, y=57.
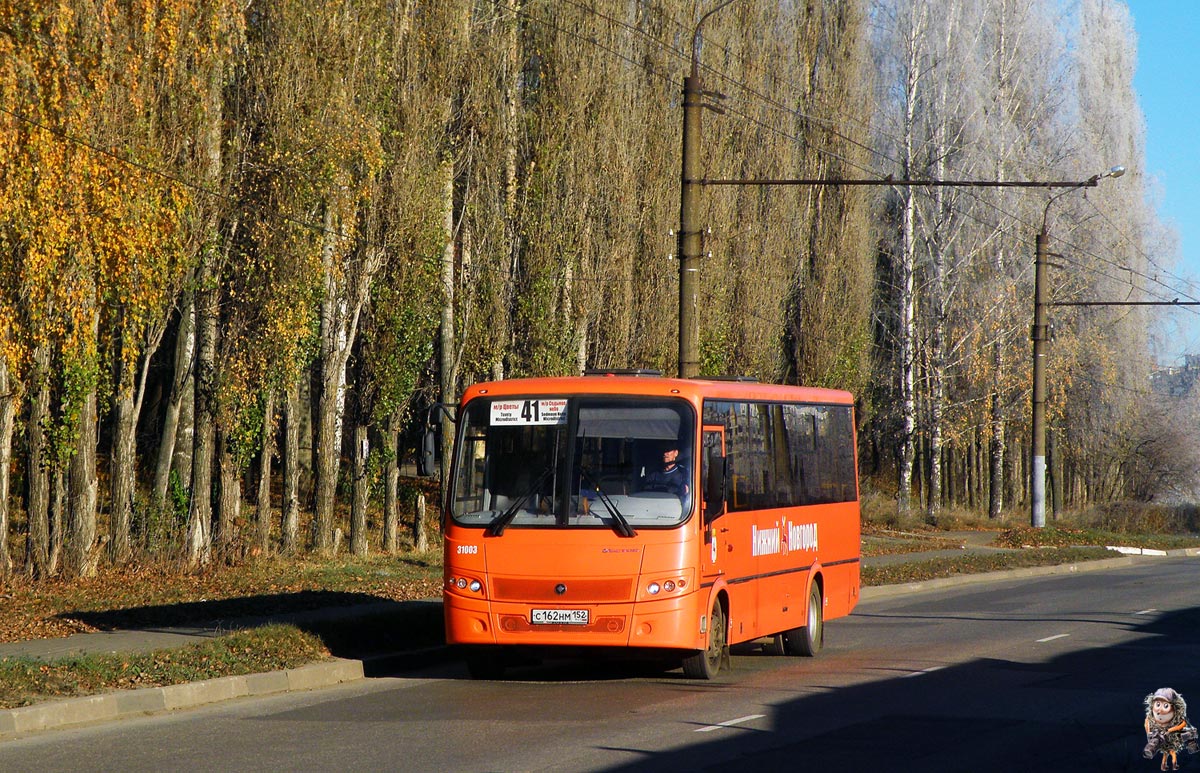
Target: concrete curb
x=107, y=707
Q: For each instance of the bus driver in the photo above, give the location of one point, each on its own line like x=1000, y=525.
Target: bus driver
x=672, y=478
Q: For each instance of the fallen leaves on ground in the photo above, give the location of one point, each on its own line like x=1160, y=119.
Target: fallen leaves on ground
x=58, y=607
x=24, y=682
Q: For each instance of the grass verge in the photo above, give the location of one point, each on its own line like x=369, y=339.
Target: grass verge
x=950, y=566
x=1052, y=536
x=24, y=681
x=164, y=595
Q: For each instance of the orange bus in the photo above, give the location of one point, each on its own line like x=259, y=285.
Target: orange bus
x=636, y=511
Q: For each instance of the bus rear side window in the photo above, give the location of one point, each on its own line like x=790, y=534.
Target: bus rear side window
x=786, y=454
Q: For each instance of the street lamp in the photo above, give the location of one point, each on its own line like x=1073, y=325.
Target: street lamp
x=1039, y=334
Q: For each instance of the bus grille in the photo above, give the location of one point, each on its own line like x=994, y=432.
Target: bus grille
x=577, y=591
x=602, y=624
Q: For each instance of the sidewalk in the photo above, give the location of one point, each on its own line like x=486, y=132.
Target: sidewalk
x=419, y=647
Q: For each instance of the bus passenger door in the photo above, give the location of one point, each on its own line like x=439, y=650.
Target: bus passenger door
x=713, y=486
x=727, y=550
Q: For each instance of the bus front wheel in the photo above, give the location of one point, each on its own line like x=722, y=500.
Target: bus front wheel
x=706, y=663
x=807, y=640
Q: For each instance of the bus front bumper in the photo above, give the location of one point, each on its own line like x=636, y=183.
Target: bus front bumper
x=672, y=623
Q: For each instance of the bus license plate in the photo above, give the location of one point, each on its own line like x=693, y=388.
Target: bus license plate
x=560, y=617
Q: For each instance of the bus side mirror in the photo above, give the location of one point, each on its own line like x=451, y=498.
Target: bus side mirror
x=714, y=484
x=427, y=458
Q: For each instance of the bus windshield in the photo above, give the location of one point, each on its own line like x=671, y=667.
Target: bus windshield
x=578, y=462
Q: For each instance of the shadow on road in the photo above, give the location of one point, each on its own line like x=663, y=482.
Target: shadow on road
x=1080, y=711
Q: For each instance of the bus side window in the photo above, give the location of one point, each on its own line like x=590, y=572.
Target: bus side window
x=713, y=472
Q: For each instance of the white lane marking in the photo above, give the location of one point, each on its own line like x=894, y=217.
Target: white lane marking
x=1052, y=638
x=1146, y=611
x=929, y=670
x=730, y=723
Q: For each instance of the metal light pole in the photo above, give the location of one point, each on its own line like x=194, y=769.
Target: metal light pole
x=1040, y=336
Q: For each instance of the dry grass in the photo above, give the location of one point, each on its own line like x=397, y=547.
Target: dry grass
x=1131, y=519
x=975, y=563
x=166, y=595
x=24, y=681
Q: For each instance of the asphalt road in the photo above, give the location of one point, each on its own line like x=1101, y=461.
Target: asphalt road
x=1039, y=674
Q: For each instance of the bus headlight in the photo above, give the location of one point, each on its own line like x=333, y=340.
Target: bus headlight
x=666, y=584
x=464, y=583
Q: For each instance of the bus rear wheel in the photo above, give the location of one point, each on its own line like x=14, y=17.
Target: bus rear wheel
x=807, y=640
x=706, y=663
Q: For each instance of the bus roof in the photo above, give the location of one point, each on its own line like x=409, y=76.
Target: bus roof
x=693, y=389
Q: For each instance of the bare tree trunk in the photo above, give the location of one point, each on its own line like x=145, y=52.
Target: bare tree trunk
x=229, y=501
x=199, y=533
x=83, y=486
x=581, y=345
x=263, y=518
x=971, y=487
x=1054, y=470
x=511, y=76
x=908, y=336
x=185, y=435
x=127, y=407
x=37, y=507
x=58, y=509
x=420, y=532
x=291, y=471
x=328, y=447
x=181, y=383
x=123, y=472
x=907, y=301
x=8, y=410
x=996, y=447
x=391, y=487
x=358, y=501
x=937, y=366
x=327, y=453
x=206, y=300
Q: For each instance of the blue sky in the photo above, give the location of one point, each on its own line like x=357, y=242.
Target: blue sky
x=1168, y=85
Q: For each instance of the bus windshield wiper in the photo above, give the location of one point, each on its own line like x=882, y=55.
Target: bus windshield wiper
x=620, y=523
x=496, y=527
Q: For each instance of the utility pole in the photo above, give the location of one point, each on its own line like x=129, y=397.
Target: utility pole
x=690, y=243
x=689, y=227
x=1039, y=334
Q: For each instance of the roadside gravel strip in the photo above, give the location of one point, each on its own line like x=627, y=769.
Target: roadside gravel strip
x=125, y=704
